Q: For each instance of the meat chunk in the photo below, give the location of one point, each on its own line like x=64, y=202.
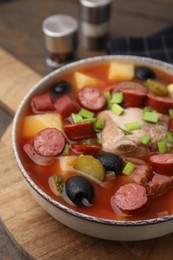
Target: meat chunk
x=141, y=174
x=159, y=185
x=115, y=140
x=129, y=198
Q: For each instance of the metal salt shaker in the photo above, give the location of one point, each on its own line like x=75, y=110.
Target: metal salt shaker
x=60, y=32
x=95, y=17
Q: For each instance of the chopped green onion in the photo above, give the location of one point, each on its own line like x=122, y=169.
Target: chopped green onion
x=108, y=98
x=169, y=137
x=76, y=118
x=133, y=126
x=81, y=155
x=162, y=147
x=89, y=120
x=117, y=109
x=66, y=149
x=171, y=112
x=147, y=109
x=99, y=137
x=128, y=169
x=107, y=95
x=86, y=113
x=99, y=124
x=151, y=117
x=117, y=98
x=126, y=132
x=145, y=139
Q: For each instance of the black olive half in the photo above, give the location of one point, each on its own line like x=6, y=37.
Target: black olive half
x=110, y=161
x=144, y=73
x=80, y=191
x=61, y=87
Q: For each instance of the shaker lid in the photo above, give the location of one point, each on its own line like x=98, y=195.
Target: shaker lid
x=59, y=25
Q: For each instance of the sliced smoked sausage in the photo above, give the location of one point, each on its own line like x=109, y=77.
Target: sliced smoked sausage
x=65, y=106
x=79, y=131
x=85, y=149
x=91, y=98
x=42, y=103
x=49, y=142
x=134, y=93
x=162, y=163
x=160, y=104
x=129, y=198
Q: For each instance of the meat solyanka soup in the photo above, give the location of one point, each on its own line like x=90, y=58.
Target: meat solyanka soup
x=100, y=140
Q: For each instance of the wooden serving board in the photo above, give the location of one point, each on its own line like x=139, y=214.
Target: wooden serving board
x=30, y=227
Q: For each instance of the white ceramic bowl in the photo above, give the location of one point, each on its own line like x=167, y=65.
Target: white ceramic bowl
x=97, y=227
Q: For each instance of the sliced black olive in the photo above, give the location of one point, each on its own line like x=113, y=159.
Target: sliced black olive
x=61, y=87
x=80, y=191
x=144, y=73
x=110, y=161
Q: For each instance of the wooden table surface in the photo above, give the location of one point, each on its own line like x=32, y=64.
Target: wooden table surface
x=21, y=36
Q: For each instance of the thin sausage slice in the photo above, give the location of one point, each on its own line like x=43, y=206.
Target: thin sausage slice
x=34, y=156
x=49, y=142
x=85, y=149
x=159, y=185
x=162, y=163
x=134, y=93
x=129, y=198
x=160, y=104
x=141, y=174
x=170, y=125
x=79, y=131
x=91, y=98
x=42, y=103
x=65, y=106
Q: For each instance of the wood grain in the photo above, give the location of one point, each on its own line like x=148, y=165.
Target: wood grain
x=16, y=80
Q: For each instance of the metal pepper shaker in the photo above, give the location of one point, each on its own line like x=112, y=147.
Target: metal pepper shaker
x=60, y=32
x=95, y=17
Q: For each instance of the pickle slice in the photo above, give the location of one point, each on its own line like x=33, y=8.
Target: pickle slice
x=156, y=87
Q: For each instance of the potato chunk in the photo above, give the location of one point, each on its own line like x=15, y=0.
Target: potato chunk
x=66, y=165
x=83, y=80
x=35, y=123
x=121, y=71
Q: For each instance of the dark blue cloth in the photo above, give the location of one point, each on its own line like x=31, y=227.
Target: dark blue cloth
x=158, y=46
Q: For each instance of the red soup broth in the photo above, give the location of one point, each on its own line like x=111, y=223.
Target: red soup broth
x=101, y=207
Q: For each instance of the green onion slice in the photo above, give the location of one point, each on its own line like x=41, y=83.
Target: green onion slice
x=146, y=109
x=162, y=147
x=133, y=126
x=171, y=112
x=66, y=149
x=151, y=117
x=99, y=137
x=117, y=98
x=126, y=132
x=169, y=137
x=76, y=118
x=107, y=95
x=88, y=120
x=128, y=169
x=99, y=124
x=117, y=109
x=145, y=139
x=86, y=113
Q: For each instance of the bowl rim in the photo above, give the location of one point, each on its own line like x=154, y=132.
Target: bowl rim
x=93, y=60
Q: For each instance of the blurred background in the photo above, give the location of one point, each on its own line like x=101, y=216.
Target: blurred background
x=21, y=33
